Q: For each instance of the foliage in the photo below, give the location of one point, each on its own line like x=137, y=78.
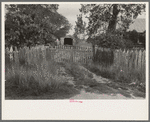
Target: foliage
x=34, y=24
x=35, y=75
x=79, y=29
x=133, y=36
x=113, y=40
x=24, y=81
x=103, y=19
x=110, y=14
x=142, y=37
x=80, y=25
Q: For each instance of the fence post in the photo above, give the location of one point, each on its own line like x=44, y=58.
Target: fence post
x=139, y=60
x=72, y=51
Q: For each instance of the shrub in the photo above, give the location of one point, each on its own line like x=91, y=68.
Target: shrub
x=113, y=40
x=133, y=36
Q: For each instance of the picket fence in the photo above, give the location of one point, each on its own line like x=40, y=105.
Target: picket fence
x=130, y=59
x=57, y=53
x=125, y=59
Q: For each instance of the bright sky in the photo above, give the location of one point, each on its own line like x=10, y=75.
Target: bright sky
x=70, y=11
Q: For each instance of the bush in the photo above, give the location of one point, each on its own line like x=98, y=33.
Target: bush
x=113, y=40
x=133, y=36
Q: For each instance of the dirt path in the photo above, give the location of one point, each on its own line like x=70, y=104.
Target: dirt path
x=106, y=89
x=89, y=95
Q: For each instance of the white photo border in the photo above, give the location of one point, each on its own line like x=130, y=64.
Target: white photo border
x=63, y=109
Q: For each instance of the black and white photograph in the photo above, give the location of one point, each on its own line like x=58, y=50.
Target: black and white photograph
x=76, y=51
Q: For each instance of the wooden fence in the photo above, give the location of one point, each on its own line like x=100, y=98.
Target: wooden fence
x=71, y=53
x=122, y=58
x=58, y=53
x=130, y=59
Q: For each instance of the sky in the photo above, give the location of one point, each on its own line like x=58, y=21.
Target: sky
x=70, y=11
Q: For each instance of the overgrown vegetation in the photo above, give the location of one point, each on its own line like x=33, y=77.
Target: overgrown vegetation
x=34, y=78
x=39, y=75
x=114, y=40
x=118, y=72
x=34, y=74
x=40, y=79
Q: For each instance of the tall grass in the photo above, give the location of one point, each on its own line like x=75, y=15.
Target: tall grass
x=117, y=73
x=30, y=74
x=121, y=69
x=34, y=81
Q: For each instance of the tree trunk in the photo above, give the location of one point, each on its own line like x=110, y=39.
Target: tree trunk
x=113, y=21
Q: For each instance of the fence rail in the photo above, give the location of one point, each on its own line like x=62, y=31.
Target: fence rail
x=58, y=53
x=124, y=58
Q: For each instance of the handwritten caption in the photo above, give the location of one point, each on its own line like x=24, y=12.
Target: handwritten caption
x=72, y=100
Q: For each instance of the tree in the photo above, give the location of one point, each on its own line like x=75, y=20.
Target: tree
x=103, y=19
x=110, y=14
x=80, y=28
x=34, y=24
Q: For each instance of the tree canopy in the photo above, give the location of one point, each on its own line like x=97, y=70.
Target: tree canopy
x=34, y=24
x=103, y=21
x=101, y=15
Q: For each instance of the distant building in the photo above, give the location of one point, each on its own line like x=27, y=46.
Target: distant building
x=139, y=25
x=67, y=40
